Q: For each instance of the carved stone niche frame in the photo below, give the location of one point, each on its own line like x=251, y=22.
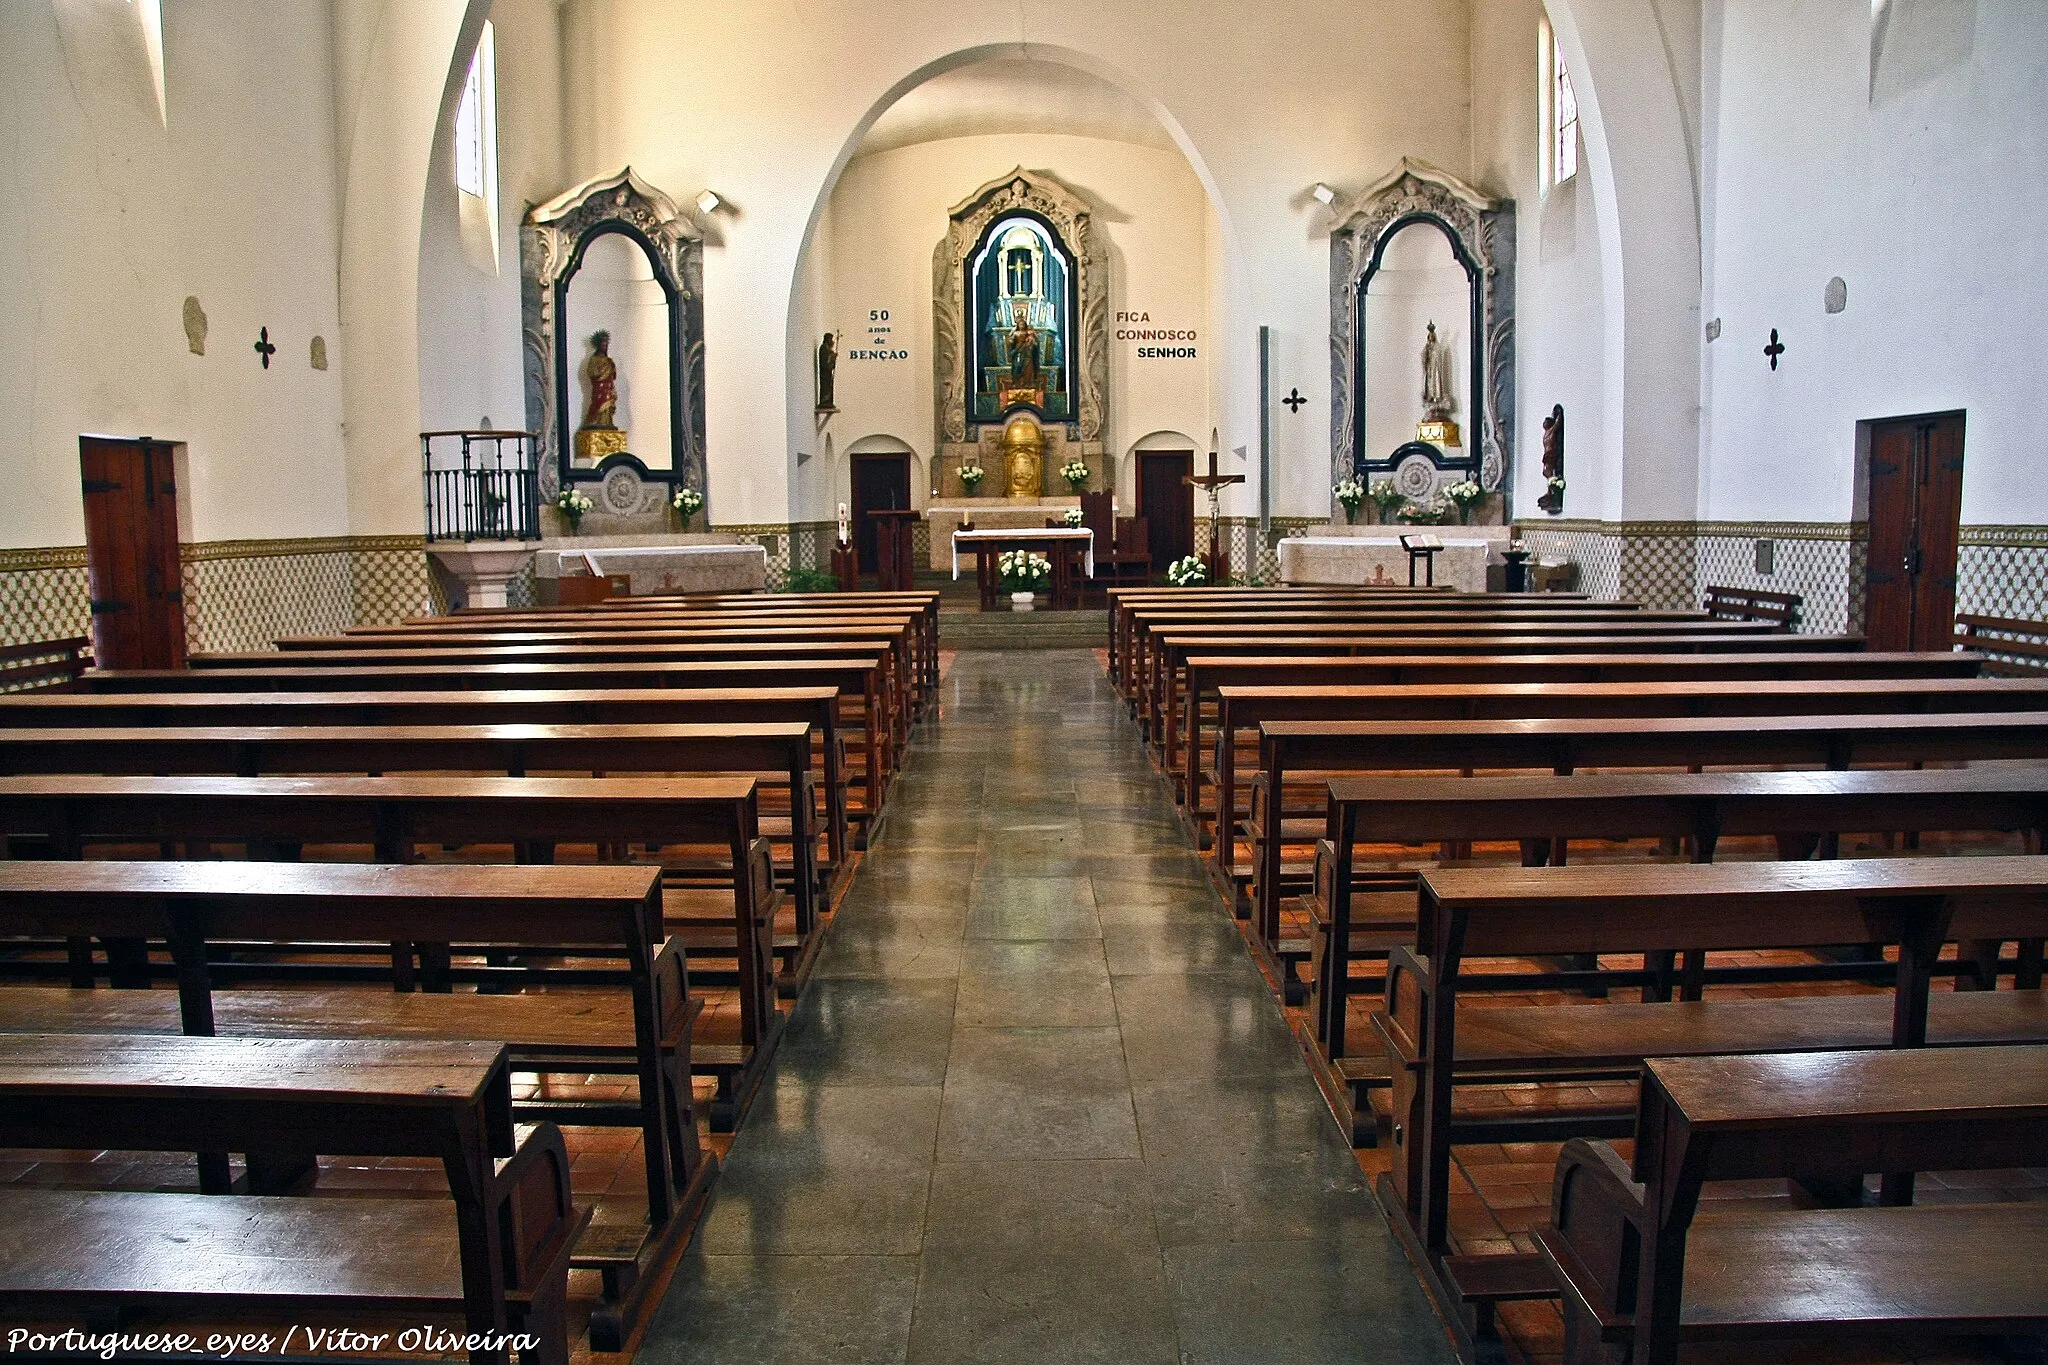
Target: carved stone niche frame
x=1481, y=230
x=1037, y=194
x=552, y=241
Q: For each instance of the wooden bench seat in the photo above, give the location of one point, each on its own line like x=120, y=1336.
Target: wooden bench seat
x=817, y=706
x=1914, y=905
x=1241, y=709
x=509, y=1208
x=770, y=750
x=1645, y=1268
x=387, y=818
x=867, y=717
x=1567, y=745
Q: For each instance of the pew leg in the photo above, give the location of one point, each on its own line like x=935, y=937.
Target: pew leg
x=280, y=1172
x=127, y=963
x=1981, y=956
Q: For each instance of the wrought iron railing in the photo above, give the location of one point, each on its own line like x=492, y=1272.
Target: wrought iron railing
x=480, y=485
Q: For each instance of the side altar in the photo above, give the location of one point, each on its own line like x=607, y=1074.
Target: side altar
x=479, y=573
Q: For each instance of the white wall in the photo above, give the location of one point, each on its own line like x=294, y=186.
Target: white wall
x=1929, y=201
x=888, y=214
x=470, y=353
x=760, y=104
x=114, y=217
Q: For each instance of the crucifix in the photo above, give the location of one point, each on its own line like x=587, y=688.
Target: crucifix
x=1214, y=483
x=1775, y=349
x=264, y=348
x=1294, y=400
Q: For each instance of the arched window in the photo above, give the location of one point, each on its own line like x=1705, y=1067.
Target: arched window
x=1560, y=109
x=476, y=154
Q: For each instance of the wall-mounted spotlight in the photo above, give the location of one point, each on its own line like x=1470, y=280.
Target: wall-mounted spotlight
x=1325, y=196
x=708, y=203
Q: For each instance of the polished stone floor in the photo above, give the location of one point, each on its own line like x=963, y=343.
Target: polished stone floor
x=1038, y=1106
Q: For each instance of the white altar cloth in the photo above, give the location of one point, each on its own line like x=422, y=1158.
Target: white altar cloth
x=1380, y=561
x=1023, y=534
x=668, y=568
x=987, y=514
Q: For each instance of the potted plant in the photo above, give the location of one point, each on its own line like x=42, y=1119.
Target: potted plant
x=686, y=502
x=1552, y=500
x=1072, y=516
x=971, y=476
x=1075, y=473
x=1023, y=573
x=1465, y=495
x=1349, y=493
x=572, y=505
x=1385, y=499
x=1188, y=572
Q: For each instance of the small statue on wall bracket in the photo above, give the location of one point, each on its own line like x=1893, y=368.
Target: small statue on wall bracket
x=828, y=364
x=1552, y=500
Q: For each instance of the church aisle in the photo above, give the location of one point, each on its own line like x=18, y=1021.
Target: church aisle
x=1038, y=1105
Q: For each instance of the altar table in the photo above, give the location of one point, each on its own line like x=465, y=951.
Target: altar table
x=657, y=569
x=1059, y=542
x=1380, y=560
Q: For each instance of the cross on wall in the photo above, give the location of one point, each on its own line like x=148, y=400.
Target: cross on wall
x=1775, y=349
x=263, y=346
x=1294, y=400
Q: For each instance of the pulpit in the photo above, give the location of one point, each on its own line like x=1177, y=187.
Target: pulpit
x=895, y=564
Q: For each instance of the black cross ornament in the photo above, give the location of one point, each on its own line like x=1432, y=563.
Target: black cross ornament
x=1294, y=400
x=1775, y=349
x=264, y=348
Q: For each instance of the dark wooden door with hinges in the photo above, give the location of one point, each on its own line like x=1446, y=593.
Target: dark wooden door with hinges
x=131, y=552
x=1916, y=512
x=1168, y=505
x=880, y=483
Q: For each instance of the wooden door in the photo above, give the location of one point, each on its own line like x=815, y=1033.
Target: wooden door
x=1916, y=509
x=1167, y=502
x=136, y=581
x=880, y=483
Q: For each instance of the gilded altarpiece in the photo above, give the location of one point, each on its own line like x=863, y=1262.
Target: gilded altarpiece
x=1020, y=322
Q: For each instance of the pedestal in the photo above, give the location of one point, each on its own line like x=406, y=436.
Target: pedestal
x=484, y=570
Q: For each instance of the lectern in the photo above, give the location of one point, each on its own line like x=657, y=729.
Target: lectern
x=895, y=561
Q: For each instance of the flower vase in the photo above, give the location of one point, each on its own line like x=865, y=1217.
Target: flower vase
x=1464, y=515
x=1023, y=601
x=575, y=523
x=1350, y=514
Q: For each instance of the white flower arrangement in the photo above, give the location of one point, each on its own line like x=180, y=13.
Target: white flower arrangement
x=1023, y=570
x=1350, y=492
x=687, y=500
x=1431, y=513
x=1072, y=516
x=1465, y=492
x=1074, y=472
x=573, y=505
x=1555, y=485
x=971, y=476
x=1386, y=495
x=1189, y=572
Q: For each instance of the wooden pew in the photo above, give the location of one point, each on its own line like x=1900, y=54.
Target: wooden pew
x=1247, y=708
x=1544, y=814
x=781, y=749
x=1738, y=1277
x=33, y=665
x=1121, y=602
x=391, y=817
x=1150, y=658
x=1163, y=696
x=893, y=684
x=1566, y=745
x=1914, y=905
x=642, y=1029
x=2015, y=647
x=858, y=681
x=500, y=1260
x=816, y=706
